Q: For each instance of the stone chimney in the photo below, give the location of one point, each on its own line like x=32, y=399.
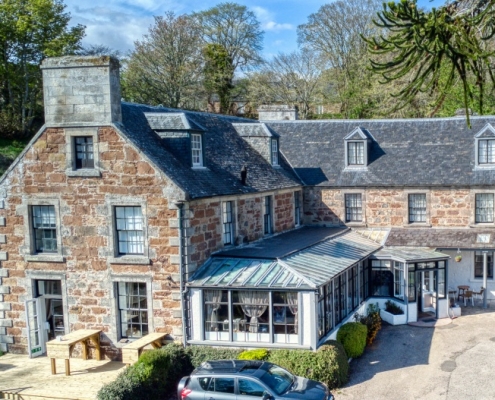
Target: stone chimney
x=81, y=91
x=277, y=113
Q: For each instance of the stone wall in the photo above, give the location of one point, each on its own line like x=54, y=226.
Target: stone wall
x=388, y=207
x=84, y=207
x=205, y=222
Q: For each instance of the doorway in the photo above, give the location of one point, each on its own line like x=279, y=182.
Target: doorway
x=44, y=315
x=427, y=292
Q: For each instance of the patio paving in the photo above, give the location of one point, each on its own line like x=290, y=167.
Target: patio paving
x=23, y=378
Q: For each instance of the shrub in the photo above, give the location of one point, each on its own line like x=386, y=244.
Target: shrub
x=198, y=354
x=156, y=374
x=353, y=337
x=393, y=308
x=328, y=364
x=258, y=354
x=372, y=320
x=126, y=386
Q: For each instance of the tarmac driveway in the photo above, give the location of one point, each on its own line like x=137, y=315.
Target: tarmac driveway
x=451, y=362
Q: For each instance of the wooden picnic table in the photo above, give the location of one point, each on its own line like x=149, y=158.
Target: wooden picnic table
x=132, y=351
x=61, y=348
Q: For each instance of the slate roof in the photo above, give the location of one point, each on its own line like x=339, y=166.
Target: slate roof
x=322, y=254
x=407, y=152
x=467, y=238
x=225, y=153
x=169, y=121
x=409, y=254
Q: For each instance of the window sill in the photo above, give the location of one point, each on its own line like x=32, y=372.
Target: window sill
x=356, y=224
x=57, y=258
x=484, y=167
x=356, y=168
x=248, y=344
x=82, y=173
x=136, y=260
x=199, y=168
x=482, y=225
x=417, y=225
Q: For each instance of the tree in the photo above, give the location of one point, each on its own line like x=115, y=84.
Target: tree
x=294, y=78
x=236, y=29
x=165, y=66
x=218, y=75
x=335, y=32
x=438, y=47
x=29, y=32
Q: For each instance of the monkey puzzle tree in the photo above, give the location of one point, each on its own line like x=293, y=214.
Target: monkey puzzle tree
x=438, y=46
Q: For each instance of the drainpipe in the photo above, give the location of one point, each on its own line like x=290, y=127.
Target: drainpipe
x=485, y=272
x=182, y=270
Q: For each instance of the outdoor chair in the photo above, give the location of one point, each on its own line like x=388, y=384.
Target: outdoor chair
x=479, y=295
x=468, y=296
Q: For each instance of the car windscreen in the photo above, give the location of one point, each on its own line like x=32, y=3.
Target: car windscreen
x=277, y=379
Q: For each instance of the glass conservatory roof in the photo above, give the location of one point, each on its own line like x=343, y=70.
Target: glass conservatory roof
x=307, y=268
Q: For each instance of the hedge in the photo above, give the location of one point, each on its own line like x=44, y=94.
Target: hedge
x=157, y=372
x=353, y=337
x=328, y=364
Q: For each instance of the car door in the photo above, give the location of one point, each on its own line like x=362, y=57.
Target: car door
x=249, y=389
x=220, y=389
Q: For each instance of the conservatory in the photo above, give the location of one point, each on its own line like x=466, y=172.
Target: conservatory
x=278, y=293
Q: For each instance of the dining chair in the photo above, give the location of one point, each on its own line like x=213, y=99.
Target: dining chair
x=479, y=295
x=468, y=296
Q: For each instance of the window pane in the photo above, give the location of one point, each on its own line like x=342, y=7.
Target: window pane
x=44, y=229
x=129, y=226
x=353, y=207
x=478, y=265
x=250, y=388
x=355, y=153
x=484, y=207
x=133, y=307
x=84, y=152
x=417, y=207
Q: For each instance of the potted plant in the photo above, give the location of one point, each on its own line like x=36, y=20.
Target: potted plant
x=393, y=314
x=458, y=258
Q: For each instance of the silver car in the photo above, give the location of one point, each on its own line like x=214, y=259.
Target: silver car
x=248, y=380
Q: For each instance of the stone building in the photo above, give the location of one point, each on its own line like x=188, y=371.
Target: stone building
x=229, y=231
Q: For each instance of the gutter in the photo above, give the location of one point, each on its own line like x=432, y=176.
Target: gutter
x=182, y=271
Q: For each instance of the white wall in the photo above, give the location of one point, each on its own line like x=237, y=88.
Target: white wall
x=462, y=273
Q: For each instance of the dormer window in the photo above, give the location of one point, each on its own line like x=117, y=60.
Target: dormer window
x=196, y=150
x=486, y=151
x=357, y=144
x=485, y=147
x=275, y=152
x=355, y=153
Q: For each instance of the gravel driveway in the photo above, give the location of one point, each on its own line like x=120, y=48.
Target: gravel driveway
x=455, y=361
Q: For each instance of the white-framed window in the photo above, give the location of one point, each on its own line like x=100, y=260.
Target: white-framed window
x=399, y=279
x=228, y=222
x=297, y=208
x=355, y=153
x=417, y=207
x=353, y=207
x=274, y=148
x=82, y=152
x=267, y=215
x=478, y=265
x=196, y=150
x=44, y=228
x=129, y=227
x=486, y=151
x=484, y=208
x=133, y=309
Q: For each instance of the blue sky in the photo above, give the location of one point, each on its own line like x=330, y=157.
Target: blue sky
x=118, y=23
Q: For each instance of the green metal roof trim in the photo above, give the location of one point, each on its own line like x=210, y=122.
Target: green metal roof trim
x=410, y=254
x=306, y=269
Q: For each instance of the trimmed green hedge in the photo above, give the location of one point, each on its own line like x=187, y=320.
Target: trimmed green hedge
x=328, y=364
x=353, y=337
x=258, y=354
x=157, y=372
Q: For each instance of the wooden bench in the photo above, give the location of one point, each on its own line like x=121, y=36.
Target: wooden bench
x=62, y=348
x=132, y=351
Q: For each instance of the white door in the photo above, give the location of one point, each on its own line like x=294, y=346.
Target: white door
x=428, y=292
x=35, y=323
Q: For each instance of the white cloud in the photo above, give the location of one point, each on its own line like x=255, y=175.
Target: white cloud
x=266, y=19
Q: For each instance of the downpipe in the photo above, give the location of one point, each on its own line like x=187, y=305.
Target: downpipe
x=183, y=292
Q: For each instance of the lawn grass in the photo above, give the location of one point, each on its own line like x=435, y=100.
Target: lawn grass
x=9, y=150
